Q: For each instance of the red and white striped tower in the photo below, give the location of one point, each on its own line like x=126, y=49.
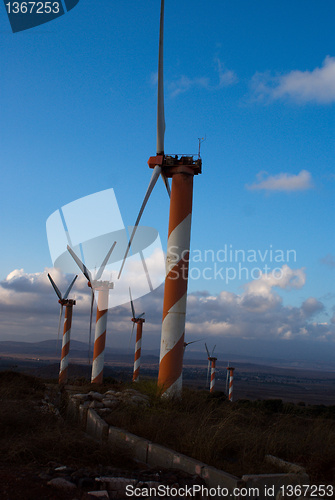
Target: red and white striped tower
x=64, y=301
x=103, y=288
x=137, y=361
x=63, y=370
x=212, y=382
x=231, y=382
x=177, y=260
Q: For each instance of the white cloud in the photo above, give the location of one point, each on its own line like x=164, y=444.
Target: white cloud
x=183, y=84
x=282, y=182
x=317, y=85
x=285, y=278
x=227, y=77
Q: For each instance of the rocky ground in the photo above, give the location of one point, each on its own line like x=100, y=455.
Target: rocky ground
x=44, y=457
x=57, y=482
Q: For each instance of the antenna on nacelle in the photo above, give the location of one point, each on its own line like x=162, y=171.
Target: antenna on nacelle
x=201, y=140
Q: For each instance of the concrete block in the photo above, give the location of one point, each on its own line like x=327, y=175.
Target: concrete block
x=216, y=478
x=138, y=447
x=95, y=426
x=72, y=409
x=187, y=464
x=159, y=456
x=82, y=416
x=285, y=466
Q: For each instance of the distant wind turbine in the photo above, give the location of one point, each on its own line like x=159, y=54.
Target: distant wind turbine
x=211, y=366
x=103, y=288
x=230, y=370
x=138, y=320
x=68, y=303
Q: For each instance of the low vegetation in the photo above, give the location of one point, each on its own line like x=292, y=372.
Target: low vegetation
x=236, y=437
x=233, y=436
x=32, y=432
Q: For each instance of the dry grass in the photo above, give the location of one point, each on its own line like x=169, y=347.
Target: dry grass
x=31, y=434
x=235, y=437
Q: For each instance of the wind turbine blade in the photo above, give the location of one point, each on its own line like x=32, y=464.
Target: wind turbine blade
x=155, y=174
x=167, y=185
x=132, y=305
x=71, y=285
x=140, y=316
x=90, y=331
x=55, y=287
x=79, y=263
x=213, y=350
x=193, y=341
x=207, y=349
x=160, y=99
x=59, y=324
x=106, y=259
x=131, y=336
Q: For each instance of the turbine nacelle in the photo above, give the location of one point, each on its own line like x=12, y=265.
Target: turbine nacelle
x=99, y=285
x=191, y=163
x=67, y=302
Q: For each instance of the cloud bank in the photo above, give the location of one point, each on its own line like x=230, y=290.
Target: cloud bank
x=29, y=311
x=316, y=86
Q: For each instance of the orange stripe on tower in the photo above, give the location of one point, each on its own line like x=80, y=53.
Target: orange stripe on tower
x=183, y=192
x=63, y=369
x=99, y=345
x=100, y=336
x=175, y=291
x=171, y=366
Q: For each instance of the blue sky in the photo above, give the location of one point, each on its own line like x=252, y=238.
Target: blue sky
x=257, y=79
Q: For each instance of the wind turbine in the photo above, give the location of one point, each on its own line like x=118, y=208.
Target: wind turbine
x=211, y=365
x=103, y=288
x=68, y=303
x=230, y=371
x=138, y=320
x=182, y=170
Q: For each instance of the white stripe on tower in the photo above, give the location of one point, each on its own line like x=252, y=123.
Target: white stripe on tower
x=231, y=382
x=175, y=291
x=137, y=360
x=212, y=384
x=63, y=370
x=100, y=337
